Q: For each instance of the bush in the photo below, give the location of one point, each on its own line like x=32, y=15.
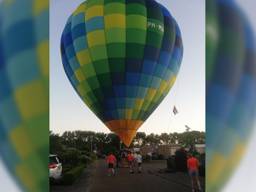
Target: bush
x=146, y=158
x=160, y=157
x=71, y=156
x=93, y=156
x=66, y=168
x=84, y=159
x=70, y=176
x=154, y=156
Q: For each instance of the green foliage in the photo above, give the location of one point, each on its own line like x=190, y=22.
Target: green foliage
x=70, y=176
x=74, y=146
x=76, y=149
x=139, y=139
x=70, y=156
x=55, y=143
x=192, y=138
x=93, y=156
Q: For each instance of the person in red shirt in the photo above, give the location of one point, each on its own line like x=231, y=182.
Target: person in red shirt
x=193, y=167
x=130, y=159
x=111, y=161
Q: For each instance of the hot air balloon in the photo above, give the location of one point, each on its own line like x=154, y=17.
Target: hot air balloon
x=24, y=99
x=230, y=90
x=122, y=58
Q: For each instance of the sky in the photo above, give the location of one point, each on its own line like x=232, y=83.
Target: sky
x=69, y=113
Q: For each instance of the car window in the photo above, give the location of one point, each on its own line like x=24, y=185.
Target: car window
x=53, y=160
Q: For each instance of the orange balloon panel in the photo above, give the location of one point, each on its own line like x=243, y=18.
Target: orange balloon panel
x=125, y=129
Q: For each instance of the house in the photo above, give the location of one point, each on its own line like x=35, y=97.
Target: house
x=164, y=150
x=200, y=148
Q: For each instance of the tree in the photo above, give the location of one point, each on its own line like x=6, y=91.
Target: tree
x=55, y=143
x=87, y=141
x=152, y=139
x=165, y=139
x=192, y=138
x=139, y=139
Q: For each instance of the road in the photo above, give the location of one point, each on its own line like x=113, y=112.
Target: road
x=95, y=179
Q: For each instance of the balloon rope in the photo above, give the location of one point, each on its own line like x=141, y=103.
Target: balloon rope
x=177, y=91
x=174, y=104
x=169, y=124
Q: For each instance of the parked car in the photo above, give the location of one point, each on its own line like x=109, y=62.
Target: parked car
x=55, y=167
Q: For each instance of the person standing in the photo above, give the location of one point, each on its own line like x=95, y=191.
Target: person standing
x=117, y=155
x=130, y=159
x=123, y=159
x=138, y=158
x=111, y=161
x=193, y=169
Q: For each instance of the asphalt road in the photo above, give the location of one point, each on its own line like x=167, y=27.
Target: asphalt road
x=95, y=179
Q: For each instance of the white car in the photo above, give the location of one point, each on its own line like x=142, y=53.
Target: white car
x=55, y=167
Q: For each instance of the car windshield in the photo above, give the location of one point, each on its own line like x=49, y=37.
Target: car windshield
x=53, y=160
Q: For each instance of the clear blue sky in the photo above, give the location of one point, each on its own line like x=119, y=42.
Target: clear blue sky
x=68, y=112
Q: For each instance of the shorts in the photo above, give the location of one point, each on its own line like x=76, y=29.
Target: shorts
x=193, y=173
x=139, y=164
x=110, y=165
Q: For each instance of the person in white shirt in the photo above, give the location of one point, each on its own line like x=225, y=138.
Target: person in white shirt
x=138, y=158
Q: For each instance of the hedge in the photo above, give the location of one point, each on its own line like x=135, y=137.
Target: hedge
x=70, y=176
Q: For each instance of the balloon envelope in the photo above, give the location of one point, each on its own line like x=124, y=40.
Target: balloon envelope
x=24, y=92
x=231, y=90
x=122, y=58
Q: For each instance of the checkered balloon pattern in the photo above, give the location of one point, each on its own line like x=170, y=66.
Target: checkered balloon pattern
x=122, y=58
x=230, y=91
x=24, y=62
